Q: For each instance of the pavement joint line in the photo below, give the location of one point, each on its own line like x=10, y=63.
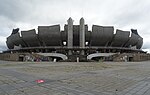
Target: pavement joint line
x=60, y=86
x=132, y=82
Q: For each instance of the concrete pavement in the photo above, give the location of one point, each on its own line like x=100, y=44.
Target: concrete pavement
x=101, y=78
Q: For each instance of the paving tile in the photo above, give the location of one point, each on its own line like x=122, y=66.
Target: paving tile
x=126, y=78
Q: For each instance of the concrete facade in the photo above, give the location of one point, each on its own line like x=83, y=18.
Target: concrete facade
x=49, y=35
x=77, y=42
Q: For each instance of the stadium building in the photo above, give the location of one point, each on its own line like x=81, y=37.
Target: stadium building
x=74, y=43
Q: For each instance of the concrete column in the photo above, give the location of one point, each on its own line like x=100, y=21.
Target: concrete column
x=70, y=33
x=82, y=35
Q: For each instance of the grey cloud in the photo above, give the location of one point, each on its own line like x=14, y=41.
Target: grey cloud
x=130, y=13
x=146, y=45
x=2, y=48
x=120, y=13
x=5, y=26
x=14, y=9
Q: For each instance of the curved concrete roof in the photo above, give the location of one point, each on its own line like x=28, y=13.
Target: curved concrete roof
x=30, y=38
x=9, y=43
x=139, y=43
x=15, y=40
x=120, y=38
x=135, y=40
x=50, y=35
x=101, y=35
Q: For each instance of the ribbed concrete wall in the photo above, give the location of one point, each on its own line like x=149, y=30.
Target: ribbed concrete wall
x=120, y=38
x=50, y=35
x=15, y=40
x=101, y=36
x=75, y=36
x=30, y=38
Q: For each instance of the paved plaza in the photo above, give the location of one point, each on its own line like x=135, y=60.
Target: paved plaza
x=62, y=78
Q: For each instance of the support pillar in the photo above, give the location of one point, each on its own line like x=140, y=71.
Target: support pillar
x=70, y=34
x=82, y=35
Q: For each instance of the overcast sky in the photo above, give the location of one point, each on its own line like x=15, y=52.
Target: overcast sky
x=28, y=14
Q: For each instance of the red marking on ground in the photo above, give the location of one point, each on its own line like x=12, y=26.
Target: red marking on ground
x=40, y=81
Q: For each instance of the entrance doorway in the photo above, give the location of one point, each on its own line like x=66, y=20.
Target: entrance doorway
x=130, y=58
x=21, y=57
